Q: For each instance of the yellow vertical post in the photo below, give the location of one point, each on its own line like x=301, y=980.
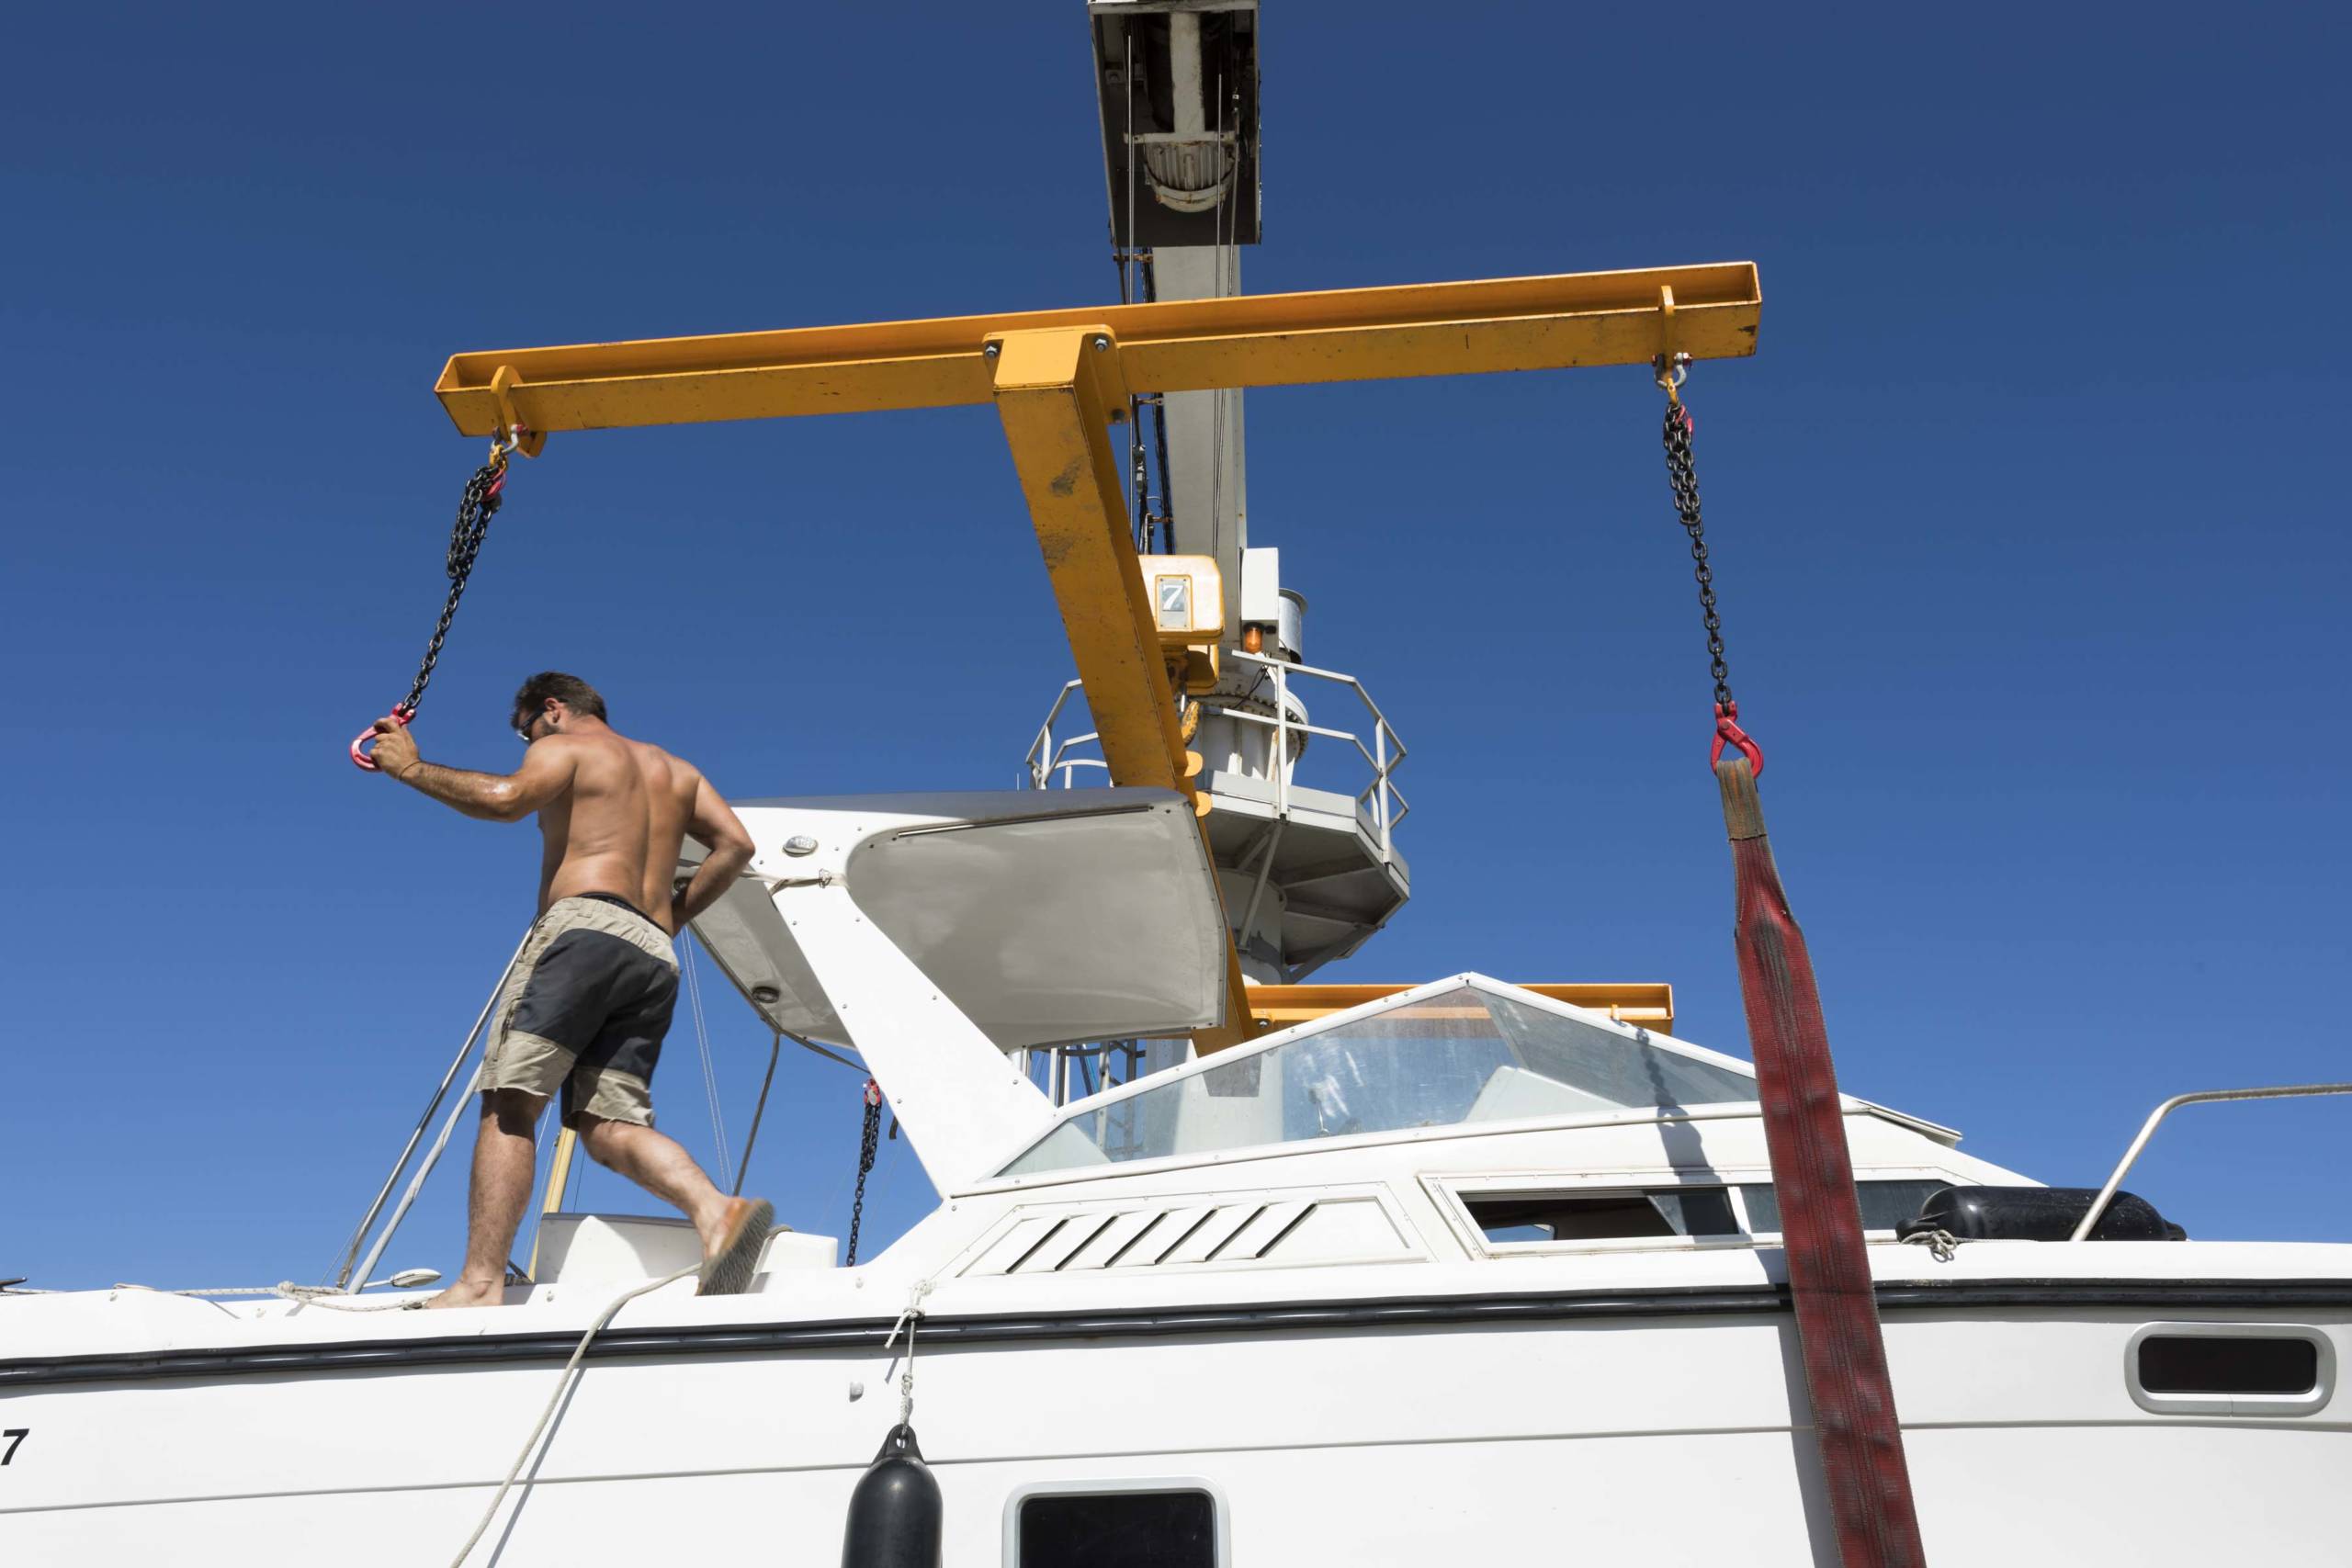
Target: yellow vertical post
x=558, y=1173
x=1056, y=389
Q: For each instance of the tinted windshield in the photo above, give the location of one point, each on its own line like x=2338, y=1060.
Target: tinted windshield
x=1462, y=1056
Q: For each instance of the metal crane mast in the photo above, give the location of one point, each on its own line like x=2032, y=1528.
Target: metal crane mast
x=1308, y=873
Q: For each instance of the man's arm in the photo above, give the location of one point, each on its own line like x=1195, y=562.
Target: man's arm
x=546, y=773
x=716, y=826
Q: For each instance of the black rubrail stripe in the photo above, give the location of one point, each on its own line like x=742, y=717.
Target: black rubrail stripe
x=867, y=1334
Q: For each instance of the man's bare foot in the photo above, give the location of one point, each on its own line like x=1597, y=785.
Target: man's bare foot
x=471, y=1293
x=730, y=1255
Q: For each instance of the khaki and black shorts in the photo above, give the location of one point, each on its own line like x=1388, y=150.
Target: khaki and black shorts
x=585, y=1010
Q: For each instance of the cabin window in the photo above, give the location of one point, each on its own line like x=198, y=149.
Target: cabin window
x=2179, y=1363
x=1455, y=1059
x=1744, y=1212
x=1174, y=1528
x=1603, y=1215
x=1886, y=1206
x=2230, y=1369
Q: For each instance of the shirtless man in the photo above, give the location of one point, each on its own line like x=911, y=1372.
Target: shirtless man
x=593, y=991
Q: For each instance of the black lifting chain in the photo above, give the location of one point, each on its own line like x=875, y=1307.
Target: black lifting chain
x=475, y=509
x=1684, y=477
x=868, y=1138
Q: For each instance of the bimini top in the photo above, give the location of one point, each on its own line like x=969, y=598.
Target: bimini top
x=1461, y=1050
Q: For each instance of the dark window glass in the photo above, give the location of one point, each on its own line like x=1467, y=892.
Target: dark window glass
x=1603, y=1216
x=2204, y=1364
x=1886, y=1206
x=1119, y=1529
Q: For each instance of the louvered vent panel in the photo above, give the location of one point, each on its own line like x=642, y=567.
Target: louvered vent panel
x=1213, y=1233
x=1061, y=1242
x=1268, y=1225
x=1155, y=1243
x=1013, y=1244
x=1268, y=1231
x=1113, y=1239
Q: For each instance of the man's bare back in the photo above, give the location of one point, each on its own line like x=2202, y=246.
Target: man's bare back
x=592, y=989
x=619, y=827
x=613, y=812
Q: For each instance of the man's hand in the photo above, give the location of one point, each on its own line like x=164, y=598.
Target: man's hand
x=395, y=750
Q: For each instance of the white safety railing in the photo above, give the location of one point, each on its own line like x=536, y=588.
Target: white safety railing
x=1047, y=756
x=2201, y=1097
x=1382, y=751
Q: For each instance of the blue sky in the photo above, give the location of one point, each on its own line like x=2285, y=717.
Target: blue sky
x=2024, y=519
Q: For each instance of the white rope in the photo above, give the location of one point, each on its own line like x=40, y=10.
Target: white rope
x=709, y=1073
x=334, y=1300
x=563, y=1387
x=1941, y=1244
x=906, y=1320
x=332, y=1297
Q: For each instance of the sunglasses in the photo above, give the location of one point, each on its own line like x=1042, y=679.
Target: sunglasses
x=523, y=730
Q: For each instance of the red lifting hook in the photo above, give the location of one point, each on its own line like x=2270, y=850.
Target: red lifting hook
x=1728, y=732
x=400, y=716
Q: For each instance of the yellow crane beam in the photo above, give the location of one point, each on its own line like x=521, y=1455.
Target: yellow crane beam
x=1059, y=378
x=1056, y=389
x=1251, y=340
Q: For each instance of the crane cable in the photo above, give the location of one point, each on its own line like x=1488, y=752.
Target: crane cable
x=1852, y=1397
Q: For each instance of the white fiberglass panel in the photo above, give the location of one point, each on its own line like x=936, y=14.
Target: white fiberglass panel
x=1464, y=1056
x=1033, y=924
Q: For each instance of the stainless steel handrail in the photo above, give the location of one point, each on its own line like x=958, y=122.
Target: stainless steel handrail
x=360, y=1237
x=1380, y=799
x=2107, y=1193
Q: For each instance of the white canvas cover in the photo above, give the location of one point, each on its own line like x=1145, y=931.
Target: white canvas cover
x=1045, y=916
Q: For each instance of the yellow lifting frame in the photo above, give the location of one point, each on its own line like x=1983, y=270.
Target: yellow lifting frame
x=1058, y=378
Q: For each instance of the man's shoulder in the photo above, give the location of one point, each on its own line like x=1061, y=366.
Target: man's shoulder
x=661, y=756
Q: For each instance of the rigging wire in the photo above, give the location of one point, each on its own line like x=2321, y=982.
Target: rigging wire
x=1220, y=398
x=702, y=1046
x=1125, y=254
x=759, y=1113
x=1166, y=514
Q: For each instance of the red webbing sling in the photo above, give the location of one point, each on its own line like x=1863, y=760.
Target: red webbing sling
x=1855, y=1427
x=1854, y=1422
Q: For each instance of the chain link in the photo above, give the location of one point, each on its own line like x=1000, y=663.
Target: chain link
x=1684, y=477
x=475, y=509
x=868, y=1139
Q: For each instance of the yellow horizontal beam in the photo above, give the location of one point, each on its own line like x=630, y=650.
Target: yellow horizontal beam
x=1254, y=340
x=1648, y=1005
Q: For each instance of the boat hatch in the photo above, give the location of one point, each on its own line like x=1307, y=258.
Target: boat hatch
x=1475, y=1050
x=1026, y=908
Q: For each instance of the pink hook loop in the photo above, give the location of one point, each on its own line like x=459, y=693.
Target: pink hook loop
x=366, y=760
x=1729, y=733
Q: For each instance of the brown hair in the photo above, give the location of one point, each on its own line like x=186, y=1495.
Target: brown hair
x=570, y=689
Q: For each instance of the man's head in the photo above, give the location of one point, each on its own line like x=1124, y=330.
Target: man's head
x=548, y=698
